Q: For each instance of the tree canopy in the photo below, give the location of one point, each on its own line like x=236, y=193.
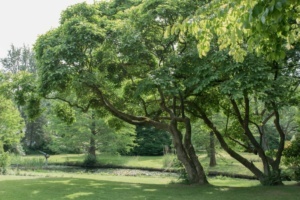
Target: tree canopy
x=139, y=61
x=268, y=28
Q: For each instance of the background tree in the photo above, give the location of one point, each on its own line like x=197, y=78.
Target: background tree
x=20, y=66
x=11, y=123
x=204, y=140
x=88, y=133
x=151, y=142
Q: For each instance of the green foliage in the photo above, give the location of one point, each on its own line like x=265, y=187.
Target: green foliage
x=268, y=28
x=274, y=178
x=90, y=160
x=64, y=113
x=4, y=160
x=168, y=161
x=120, y=58
x=11, y=123
x=183, y=176
x=20, y=85
x=150, y=141
x=75, y=137
x=19, y=59
x=292, y=157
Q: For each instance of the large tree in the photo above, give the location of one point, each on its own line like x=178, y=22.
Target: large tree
x=251, y=96
x=115, y=56
x=264, y=37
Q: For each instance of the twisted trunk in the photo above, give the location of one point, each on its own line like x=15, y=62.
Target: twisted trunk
x=187, y=155
x=183, y=145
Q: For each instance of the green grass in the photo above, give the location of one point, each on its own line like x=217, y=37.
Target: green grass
x=120, y=187
x=55, y=184
x=224, y=161
x=103, y=159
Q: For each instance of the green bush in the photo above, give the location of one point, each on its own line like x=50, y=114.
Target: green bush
x=4, y=162
x=183, y=176
x=273, y=178
x=168, y=161
x=90, y=160
x=292, y=157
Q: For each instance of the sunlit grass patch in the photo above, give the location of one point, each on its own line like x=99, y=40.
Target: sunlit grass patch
x=134, y=188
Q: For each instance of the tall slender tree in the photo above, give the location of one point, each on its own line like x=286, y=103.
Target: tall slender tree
x=20, y=65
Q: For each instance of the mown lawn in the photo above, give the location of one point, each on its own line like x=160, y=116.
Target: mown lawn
x=38, y=183
x=121, y=187
x=225, y=162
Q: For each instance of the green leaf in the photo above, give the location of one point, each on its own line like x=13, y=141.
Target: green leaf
x=263, y=19
x=278, y=6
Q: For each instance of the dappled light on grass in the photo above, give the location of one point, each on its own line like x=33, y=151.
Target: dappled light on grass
x=78, y=195
x=232, y=182
x=36, y=192
x=121, y=188
x=97, y=188
x=149, y=190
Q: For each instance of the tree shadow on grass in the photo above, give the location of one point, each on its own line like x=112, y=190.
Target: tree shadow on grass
x=74, y=188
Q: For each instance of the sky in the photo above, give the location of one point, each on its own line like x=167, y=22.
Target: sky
x=22, y=21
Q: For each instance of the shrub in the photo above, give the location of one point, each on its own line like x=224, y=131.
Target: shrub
x=183, y=176
x=292, y=157
x=90, y=160
x=4, y=162
x=168, y=161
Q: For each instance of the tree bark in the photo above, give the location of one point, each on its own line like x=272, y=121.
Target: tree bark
x=184, y=148
x=212, y=150
x=92, y=147
x=187, y=155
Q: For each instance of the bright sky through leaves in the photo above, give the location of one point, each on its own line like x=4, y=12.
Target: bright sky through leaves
x=23, y=20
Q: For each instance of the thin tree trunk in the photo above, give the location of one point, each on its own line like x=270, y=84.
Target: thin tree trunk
x=92, y=147
x=212, y=150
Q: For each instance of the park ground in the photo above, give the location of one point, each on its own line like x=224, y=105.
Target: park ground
x=38, y=181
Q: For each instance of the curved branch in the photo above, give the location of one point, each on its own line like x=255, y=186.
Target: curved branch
x=131, y=119
x=84, y=109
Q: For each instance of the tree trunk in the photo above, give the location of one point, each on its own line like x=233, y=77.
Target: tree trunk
x=212, y=150
x=92, y=147
x=187, y=155
x=185, y=150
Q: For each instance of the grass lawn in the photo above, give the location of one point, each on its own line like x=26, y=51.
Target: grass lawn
x=88, y=186
x=225, y=162
x=38, y=183
x=104, y=159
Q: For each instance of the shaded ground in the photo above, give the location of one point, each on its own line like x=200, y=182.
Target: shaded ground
x=127, y=188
